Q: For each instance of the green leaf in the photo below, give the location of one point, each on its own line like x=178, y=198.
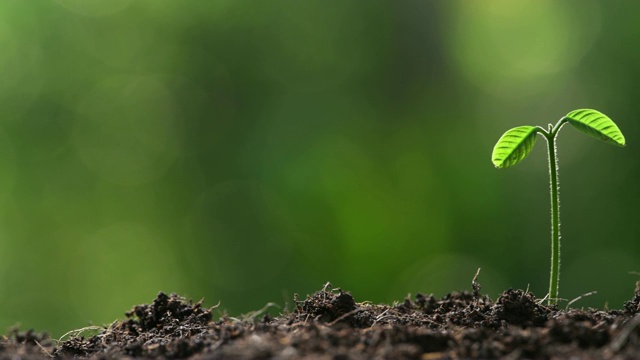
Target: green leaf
x=596, y=124
x=514, y=146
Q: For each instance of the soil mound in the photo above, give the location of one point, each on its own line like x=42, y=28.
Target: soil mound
x=331, y=324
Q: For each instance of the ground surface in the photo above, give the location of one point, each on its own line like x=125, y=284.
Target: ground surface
x=330, y=324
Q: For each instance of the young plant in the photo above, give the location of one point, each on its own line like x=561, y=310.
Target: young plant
x=517, y=143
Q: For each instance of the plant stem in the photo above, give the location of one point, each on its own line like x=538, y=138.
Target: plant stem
x=554, y=280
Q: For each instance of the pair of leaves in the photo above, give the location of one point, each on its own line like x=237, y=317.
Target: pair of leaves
x=517, y=143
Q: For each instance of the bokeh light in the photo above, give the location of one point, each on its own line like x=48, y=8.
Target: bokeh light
x=514, y=49
x=127, y=129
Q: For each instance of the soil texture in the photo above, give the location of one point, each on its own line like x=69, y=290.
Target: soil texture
x=331, y=324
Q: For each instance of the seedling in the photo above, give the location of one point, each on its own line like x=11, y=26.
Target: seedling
x=516, y=144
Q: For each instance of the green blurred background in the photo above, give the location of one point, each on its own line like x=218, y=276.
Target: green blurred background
x=244, y=151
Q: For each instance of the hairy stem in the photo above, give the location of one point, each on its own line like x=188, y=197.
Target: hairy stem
x=554, y=278
x=554, y=281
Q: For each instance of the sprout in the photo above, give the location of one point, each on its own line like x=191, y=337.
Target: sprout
x=517, y=143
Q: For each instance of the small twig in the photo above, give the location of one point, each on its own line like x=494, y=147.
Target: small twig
x=343, y=316
x=44, y=350
x=543, y=299
x=253, y=314
x=381, y=316
x=77, y=332
x=214, y=306
x=474, y=284
x=108, y=330
x=578, y=298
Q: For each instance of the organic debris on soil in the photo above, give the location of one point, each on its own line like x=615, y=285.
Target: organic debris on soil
x=330, y=324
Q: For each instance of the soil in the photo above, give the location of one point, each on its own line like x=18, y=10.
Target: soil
x=331, y=324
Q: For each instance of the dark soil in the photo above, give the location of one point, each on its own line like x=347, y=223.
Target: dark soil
x=330, y=324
